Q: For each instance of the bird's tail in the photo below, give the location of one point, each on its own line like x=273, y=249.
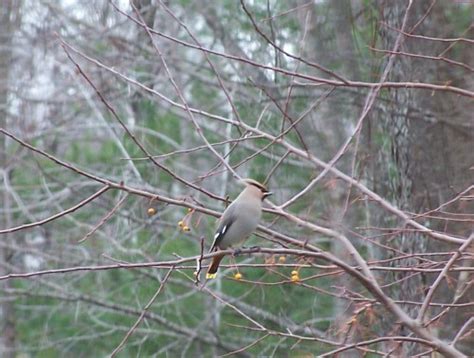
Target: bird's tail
x=212, y=270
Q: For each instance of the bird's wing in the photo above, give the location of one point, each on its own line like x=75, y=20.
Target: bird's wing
x=225, y=223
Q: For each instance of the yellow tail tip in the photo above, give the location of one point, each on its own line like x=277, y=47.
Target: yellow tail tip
x=210, y=276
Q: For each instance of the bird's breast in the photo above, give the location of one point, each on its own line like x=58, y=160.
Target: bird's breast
x=244, y=225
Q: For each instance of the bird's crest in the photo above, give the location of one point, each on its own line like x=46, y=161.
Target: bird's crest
x=253, y=182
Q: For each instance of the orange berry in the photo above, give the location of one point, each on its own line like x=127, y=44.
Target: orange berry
x=238, y=276
x=294, y=273
x=181, y=223
x=151, y=211
x=186, y=228
x=282, y=259
x=295, y=278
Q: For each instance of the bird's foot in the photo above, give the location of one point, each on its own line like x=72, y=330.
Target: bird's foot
x=237, y=252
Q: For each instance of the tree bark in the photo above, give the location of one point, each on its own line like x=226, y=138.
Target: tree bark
x=8, y=16
x=423, y=161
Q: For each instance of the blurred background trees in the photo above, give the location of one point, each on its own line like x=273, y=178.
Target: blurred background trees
x=125, y=119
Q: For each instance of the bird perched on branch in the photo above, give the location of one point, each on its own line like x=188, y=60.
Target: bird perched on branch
x=238, y=221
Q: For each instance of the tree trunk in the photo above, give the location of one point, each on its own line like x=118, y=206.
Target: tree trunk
x=423, y=160
x=8, y=15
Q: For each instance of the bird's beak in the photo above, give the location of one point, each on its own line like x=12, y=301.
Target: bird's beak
x=267, y=194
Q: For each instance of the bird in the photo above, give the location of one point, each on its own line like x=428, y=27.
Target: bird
x=238, y=221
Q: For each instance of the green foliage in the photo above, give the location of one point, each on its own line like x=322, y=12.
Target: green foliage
x=87, y=313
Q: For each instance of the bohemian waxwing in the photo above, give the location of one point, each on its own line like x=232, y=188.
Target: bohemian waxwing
x=238, y=221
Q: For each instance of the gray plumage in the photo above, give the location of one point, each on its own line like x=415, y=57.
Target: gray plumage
x=239, y=220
